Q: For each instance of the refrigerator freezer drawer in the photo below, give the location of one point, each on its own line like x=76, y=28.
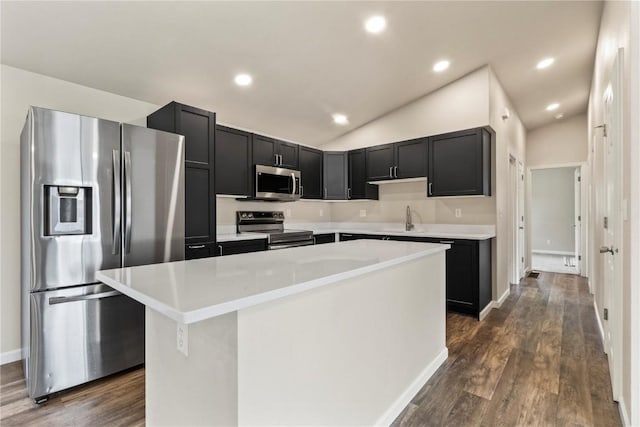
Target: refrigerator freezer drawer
x=80, y=334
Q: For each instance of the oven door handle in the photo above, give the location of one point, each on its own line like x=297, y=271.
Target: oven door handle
x=292, y=245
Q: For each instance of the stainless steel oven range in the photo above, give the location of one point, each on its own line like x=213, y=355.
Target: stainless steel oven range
x=272, y=223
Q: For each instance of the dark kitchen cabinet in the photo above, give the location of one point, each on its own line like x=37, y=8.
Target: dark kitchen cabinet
x=200, y=250
x=310, y=162
x=358, y=186
x=379, y=162
x=460, y=163
x=335, y=175
x=198, y=128
x=406, y=159
x=468, y=269
x=233, y=171
x=324, y=238
x=241, y=247
x=273, y=152
x=411, y=158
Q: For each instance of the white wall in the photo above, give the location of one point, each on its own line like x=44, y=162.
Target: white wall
x=561, y=142
x=511, y=140
x=615, y=30
x=553, y=210
x=20, y=89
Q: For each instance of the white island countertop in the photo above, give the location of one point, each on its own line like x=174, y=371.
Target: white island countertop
x=195, y=290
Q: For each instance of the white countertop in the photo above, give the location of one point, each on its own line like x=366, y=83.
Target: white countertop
x=195, y=290
x=438, y=231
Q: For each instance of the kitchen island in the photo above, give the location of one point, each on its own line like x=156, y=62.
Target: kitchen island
x=335, y=334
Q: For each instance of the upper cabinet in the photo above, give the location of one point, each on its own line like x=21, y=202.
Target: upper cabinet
x=460, y=163
x=335, y=175
x=198, y=127
x=273, y=152
x=358, y=186
x=233, y=169
x=310, y=162
x=406, y=159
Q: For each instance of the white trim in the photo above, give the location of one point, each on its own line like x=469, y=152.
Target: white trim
x=10, y=356
x=558, y=165
x=404, y=399
x=600, y=326
x=624, y=415
x=545, y=252
x=501, y=300
x=486, y=310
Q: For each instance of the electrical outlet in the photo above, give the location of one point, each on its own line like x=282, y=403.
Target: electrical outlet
x=363, y=213
x=182, y=338
x=458, y=213
x=287, y=213
x=321, y=212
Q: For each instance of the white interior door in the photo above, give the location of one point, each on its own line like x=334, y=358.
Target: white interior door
x=612, y=226
x=577, y=223
x=520, y=219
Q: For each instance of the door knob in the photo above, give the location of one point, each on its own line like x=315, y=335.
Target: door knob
x=604, y=250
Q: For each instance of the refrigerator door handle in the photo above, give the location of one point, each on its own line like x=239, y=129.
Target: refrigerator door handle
x=117, y=198
x=127, y=208
x=99, y=295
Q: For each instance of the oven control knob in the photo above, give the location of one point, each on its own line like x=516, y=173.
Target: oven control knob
x=243, y=215
x=250, y=215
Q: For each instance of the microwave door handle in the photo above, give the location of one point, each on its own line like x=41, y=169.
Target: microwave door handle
x=117, y=196
x=293, y=180
x=127, y=213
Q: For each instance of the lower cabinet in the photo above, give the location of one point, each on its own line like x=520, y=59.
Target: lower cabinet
x=468, y=270
x=324, y=238
x=199, y=250
x=240, y=247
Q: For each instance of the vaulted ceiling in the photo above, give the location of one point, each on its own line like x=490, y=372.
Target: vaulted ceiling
x=308, y=59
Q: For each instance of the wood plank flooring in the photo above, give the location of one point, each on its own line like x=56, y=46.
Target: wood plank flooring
x=537, y=360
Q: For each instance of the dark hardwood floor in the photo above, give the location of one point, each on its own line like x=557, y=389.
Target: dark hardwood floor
x=537, y=360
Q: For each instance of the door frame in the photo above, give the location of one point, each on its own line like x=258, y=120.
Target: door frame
x=517, y=247
x=613, y=282
x=584, y=231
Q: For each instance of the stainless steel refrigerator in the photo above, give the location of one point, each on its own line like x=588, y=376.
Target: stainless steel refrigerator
x=95, y=194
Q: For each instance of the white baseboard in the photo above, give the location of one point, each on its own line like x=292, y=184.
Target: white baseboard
x=494, y=304
x=486, y=310
x=624, y=416
x=503, y=297
x=10, y=356
x=405, y=398
x=600, y=327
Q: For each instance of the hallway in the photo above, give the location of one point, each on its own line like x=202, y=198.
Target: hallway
x=538, y=360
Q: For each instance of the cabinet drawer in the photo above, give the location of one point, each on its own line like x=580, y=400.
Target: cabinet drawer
x=324, y=238
x=241, y=247
x=199, y=250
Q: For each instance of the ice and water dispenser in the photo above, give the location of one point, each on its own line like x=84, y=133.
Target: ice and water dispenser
x=67, y=210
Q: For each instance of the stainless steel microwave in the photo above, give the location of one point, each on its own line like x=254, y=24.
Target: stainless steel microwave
x=273, y=183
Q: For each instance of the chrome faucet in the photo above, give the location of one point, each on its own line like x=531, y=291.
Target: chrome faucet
x=408, y=226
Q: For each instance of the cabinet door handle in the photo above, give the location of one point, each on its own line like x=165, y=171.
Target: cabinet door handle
x=195, y=246
x=349, y=193
x=302, y=191
x=275, y=160
x=220, y=248
x=395, y=171
x=390, y=171
x=280, y=162
x=447, y=242
x=430, y=184
x=325, y=192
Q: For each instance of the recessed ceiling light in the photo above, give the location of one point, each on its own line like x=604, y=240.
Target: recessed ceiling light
x=441, y=66
x=340, y=119
x=243, y=79
x=559, y=116
x=552, y=107
x=375, y=24
x=547, y=62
